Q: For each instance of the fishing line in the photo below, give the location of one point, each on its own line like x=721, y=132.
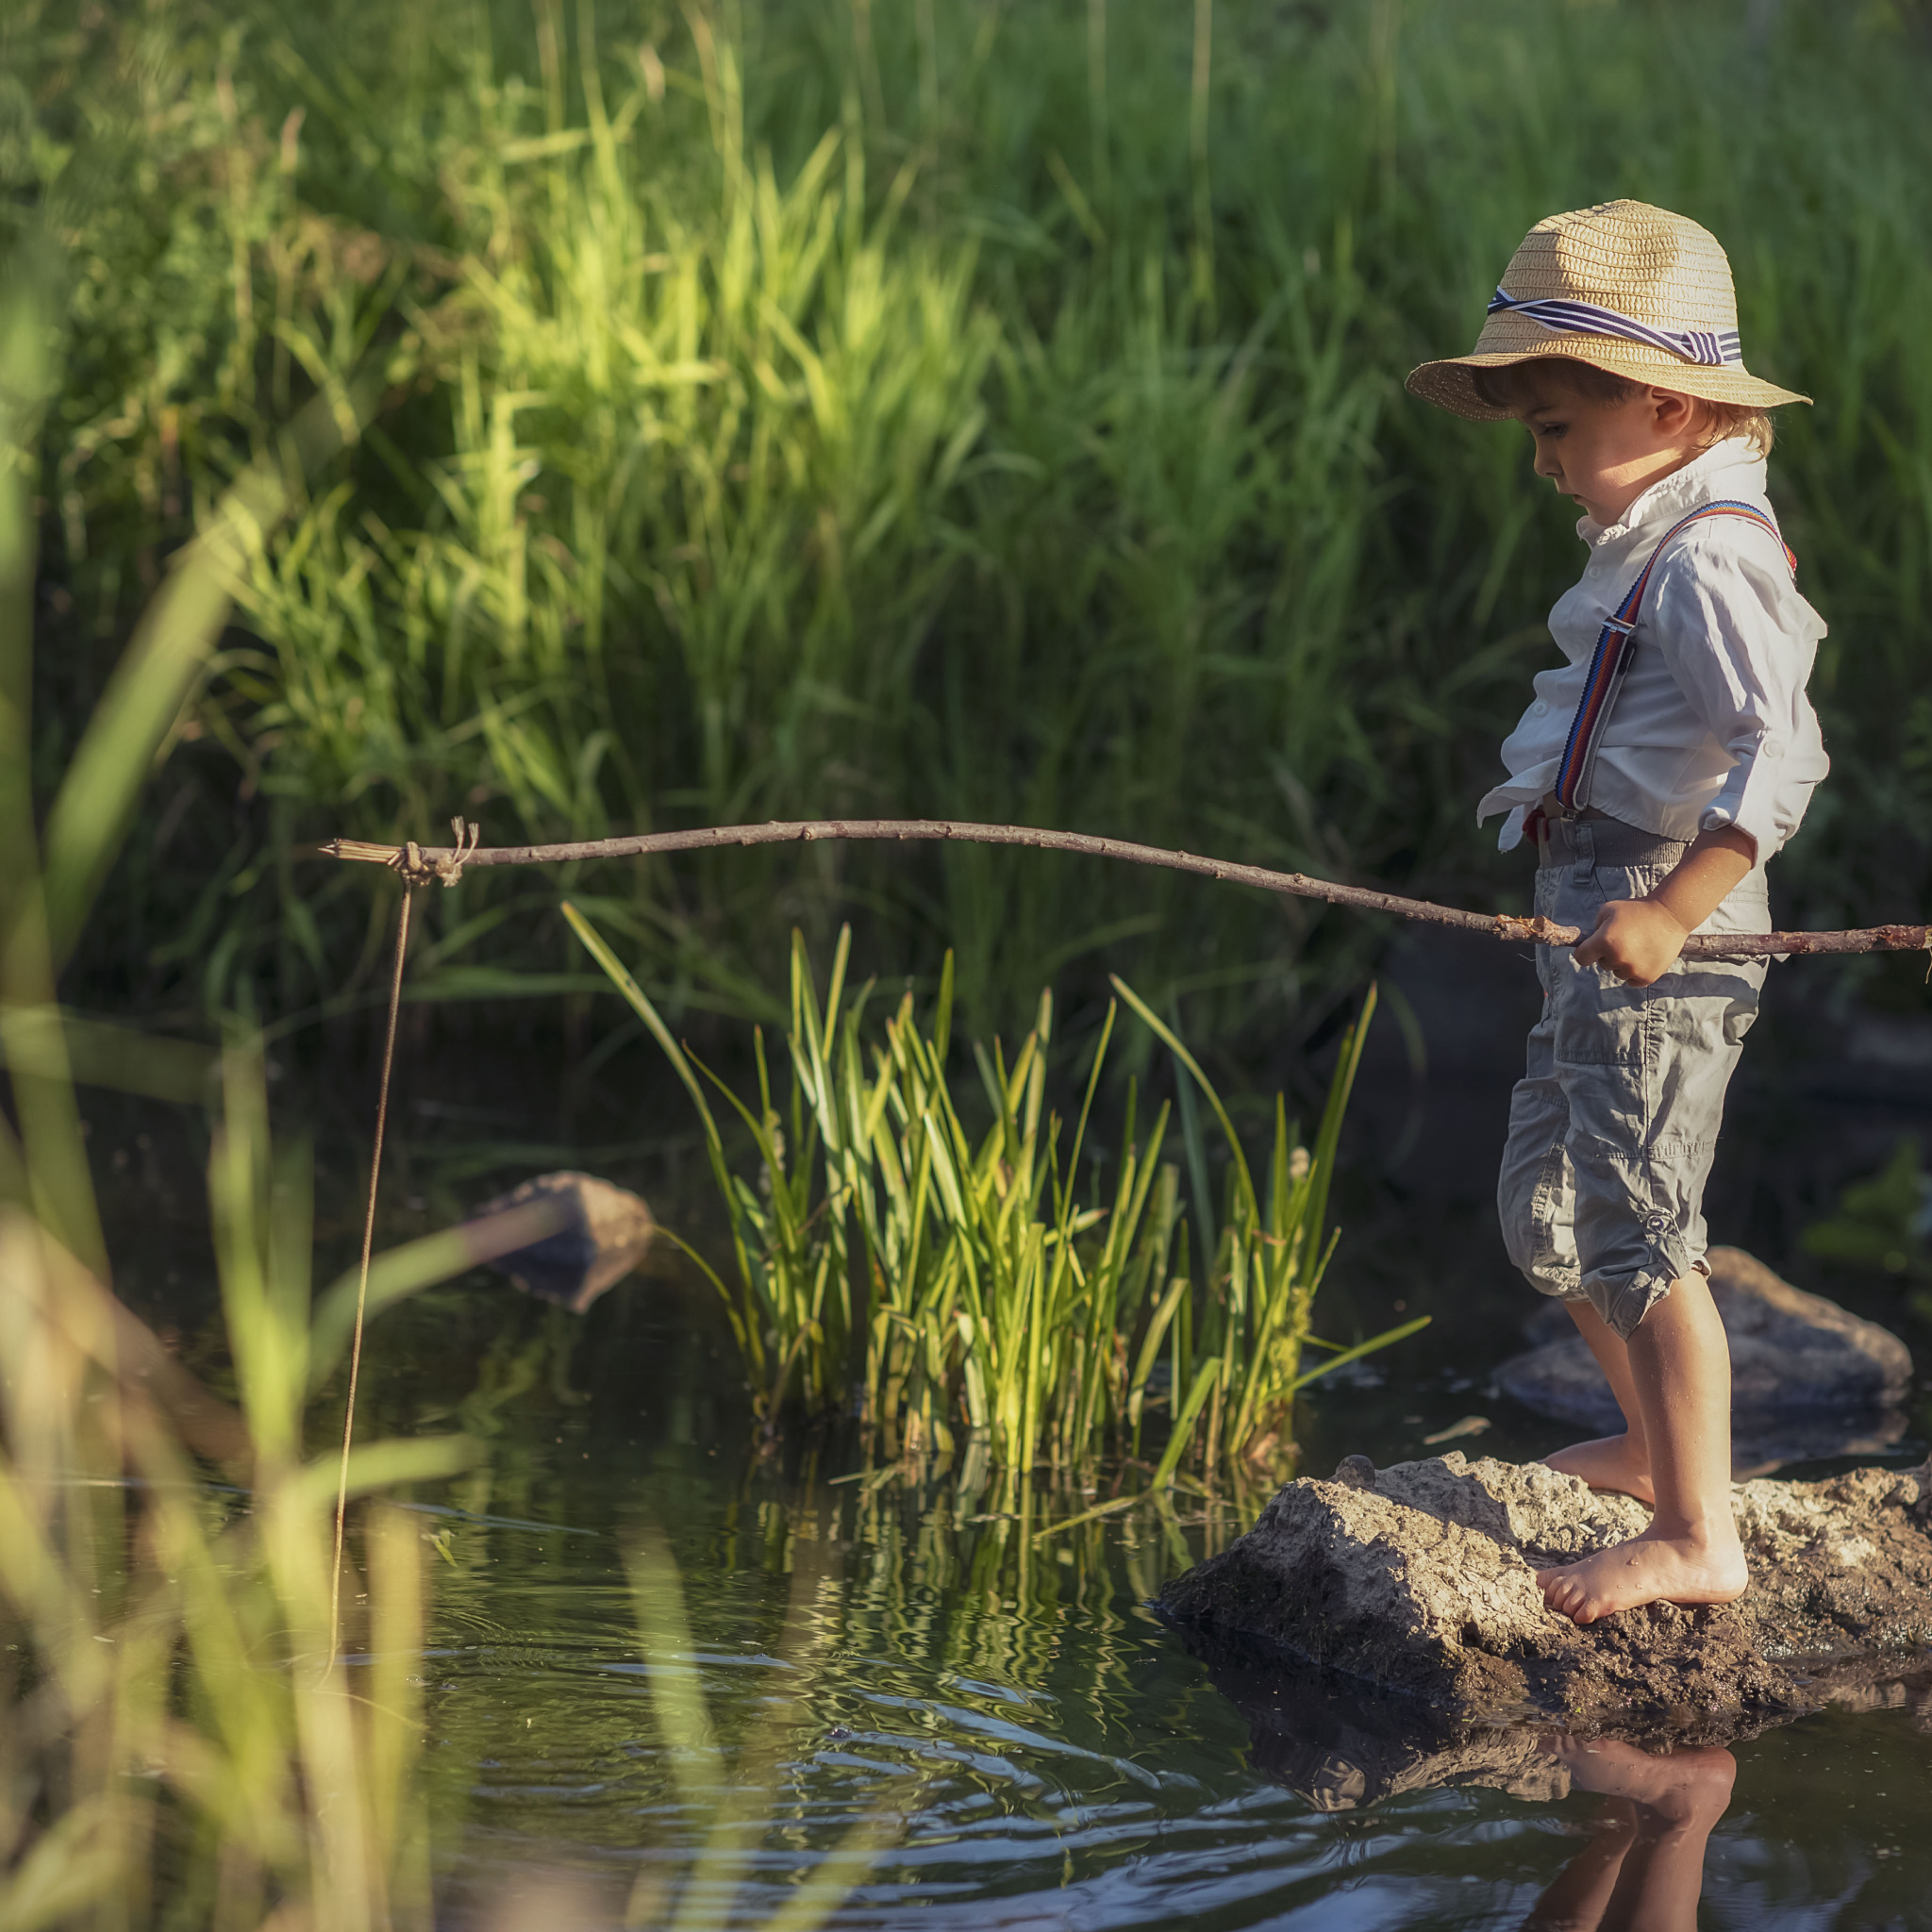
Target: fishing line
x=389, y=1055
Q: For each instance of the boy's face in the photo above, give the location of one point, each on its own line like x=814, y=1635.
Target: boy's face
x=1606, y=455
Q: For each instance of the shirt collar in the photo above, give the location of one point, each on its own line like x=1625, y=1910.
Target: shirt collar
x=1731, y=468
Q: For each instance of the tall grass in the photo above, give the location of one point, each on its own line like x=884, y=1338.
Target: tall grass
x=787, y=410
x=188, y=1738
x=971, y=1294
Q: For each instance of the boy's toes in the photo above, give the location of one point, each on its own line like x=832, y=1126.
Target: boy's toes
x=1564, y=1593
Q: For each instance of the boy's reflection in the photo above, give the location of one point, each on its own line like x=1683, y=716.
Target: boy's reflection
x=1343, y=1749
x=1643, y=1868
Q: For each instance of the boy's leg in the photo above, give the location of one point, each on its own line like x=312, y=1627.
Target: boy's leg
x=1536, y=1204
x=1619, y=1463
x=1681, y=1374
x=1644, y=1072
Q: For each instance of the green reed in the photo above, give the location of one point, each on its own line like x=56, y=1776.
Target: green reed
x=783, y=412
x=961, y=1290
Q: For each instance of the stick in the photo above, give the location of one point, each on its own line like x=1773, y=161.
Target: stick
x=389, y=1055
x=422, y=862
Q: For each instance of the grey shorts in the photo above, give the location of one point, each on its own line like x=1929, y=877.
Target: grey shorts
x=1614, y=1124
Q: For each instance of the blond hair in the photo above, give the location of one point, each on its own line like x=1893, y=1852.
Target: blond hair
x=1513, y=384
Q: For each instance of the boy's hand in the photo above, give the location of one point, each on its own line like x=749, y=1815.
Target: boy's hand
x=1638, y=940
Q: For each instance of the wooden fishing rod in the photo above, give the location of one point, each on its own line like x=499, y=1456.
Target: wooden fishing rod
x=419, y=865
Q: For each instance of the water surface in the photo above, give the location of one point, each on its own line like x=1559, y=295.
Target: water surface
x=977, y=1726
x=991, y=1728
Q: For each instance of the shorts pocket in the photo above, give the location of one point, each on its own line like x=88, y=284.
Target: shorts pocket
x=1594, y=1019
x=1603, y=1023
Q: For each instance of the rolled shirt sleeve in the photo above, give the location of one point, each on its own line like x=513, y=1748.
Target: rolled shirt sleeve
x=1739, y=641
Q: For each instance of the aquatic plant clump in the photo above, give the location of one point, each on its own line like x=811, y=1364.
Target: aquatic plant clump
x=961, y=1290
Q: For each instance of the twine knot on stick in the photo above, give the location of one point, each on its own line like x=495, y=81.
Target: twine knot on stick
x=417, y=868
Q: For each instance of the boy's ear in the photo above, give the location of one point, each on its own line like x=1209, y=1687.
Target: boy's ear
x=1673, y=412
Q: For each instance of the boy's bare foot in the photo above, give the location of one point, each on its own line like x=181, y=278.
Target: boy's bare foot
x=1648, y=1569
x=1610, y=1462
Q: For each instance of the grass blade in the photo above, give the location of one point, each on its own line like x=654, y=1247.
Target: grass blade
x=1400, y=1333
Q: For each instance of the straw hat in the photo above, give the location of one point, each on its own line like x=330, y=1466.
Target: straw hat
x=1624, y=287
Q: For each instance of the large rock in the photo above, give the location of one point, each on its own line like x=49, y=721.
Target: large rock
x=1808, y=1378
x=1418, y=1579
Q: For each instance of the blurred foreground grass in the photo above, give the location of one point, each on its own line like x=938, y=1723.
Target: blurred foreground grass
x=180, y=1740
x=970, y=410
x=188, y=1736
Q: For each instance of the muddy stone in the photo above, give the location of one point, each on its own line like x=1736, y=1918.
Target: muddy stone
x=1418, y=1580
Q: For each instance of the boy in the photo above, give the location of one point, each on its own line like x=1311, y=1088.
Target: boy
x=1660, y=768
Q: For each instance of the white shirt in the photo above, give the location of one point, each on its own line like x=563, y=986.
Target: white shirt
x=1711, y=726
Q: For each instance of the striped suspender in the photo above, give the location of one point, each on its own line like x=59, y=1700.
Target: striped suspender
x=1611, y=660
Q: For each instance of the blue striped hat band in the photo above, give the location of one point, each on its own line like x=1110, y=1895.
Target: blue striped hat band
x=1712, y=348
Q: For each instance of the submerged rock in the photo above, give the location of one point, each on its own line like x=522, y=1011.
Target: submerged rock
x=605, y=1233
x=1808, y=1378
x=1339, y=1745
x=1418, y=1579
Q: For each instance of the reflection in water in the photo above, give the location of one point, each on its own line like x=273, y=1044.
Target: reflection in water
x=1341, y=1748
x=944, y=1693
x=1644, y=1868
